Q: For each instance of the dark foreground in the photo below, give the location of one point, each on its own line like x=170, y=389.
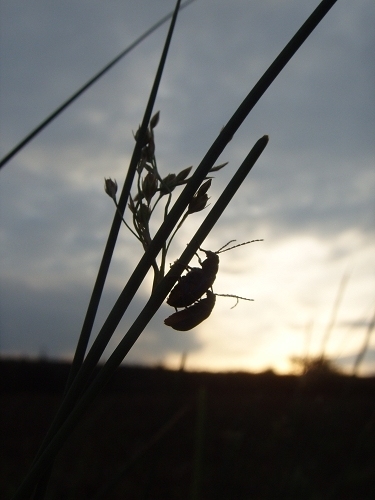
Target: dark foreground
x=158, y=434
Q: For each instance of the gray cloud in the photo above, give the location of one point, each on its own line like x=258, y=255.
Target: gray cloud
x=316, y=177
x=48, y=320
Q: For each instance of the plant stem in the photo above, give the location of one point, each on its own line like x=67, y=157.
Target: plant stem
x=69, y=415
x=60, y=429
x=87, y=85
x=112, y=238
x=109, y=248
x=199, y=444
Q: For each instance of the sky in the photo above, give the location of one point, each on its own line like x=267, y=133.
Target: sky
x=310, y=197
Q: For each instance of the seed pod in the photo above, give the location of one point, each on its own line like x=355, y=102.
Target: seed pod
x=181, y=176
x=110, y=187
x=149, y=186
x=189, y=318
x=200, y=199
x=155, y=120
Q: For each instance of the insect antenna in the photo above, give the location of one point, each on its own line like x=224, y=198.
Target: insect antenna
x=220, y=249
x=237, y=297
x=235, y=246
x=226, y=244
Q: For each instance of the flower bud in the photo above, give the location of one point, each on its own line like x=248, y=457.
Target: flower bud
x=204, y=188
x=198, y=203
x=150, y=150
x=149, y=186
x=181, y=176
x=145, y=138
x=200, y=198
x=131, y=205
x=155, y=120
x=143, y=215
x=218, y=167
x=110, y=187
x=168, y=184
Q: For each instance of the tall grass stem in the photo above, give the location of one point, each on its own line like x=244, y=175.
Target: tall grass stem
x=112, y=238
x=114, y=231
x=71, y=411
x=79, y=396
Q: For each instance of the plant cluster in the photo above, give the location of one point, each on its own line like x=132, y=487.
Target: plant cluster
x=151, y=188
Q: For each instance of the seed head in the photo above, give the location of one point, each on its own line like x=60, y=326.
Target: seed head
x=149, y=186
x=110, y=187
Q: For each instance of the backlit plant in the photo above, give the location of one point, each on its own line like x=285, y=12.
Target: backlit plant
x=151, y=189
x=86, y=377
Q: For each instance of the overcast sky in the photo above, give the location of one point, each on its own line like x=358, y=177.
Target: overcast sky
x=311, y=196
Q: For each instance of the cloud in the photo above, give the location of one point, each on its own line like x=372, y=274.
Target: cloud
x=311, y=194
x=47, y=320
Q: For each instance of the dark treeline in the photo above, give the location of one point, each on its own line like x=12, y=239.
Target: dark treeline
x=48, y=376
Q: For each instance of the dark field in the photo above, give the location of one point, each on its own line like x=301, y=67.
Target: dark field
x=238, y=436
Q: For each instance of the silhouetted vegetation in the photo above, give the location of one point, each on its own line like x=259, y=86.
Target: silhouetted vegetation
x=154, y=433
x=264, y=436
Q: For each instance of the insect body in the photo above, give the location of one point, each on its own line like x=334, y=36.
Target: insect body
x=188, y=318
x=191, y=287
x=198, y=280
x=195, y=283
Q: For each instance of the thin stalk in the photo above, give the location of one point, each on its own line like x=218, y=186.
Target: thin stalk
x=87, y=85
x=113, y=234
x=219, y=145
x=335, y=308
x=125, y=297
x=161, y=236
x=56, y=437
x=199, y=444
x=111, y=242
x=366, y=343
x=206, y=164
x=126, y=224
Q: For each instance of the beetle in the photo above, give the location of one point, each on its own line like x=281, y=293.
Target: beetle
x=198, y=280
x=188, y=318
x=195, y=283
x=192, y=316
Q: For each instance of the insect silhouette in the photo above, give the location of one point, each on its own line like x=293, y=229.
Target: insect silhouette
x=192, y=286
x=198, y=280
x=188, y=318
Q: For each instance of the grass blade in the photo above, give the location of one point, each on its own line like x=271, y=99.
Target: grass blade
x=86, y=86
x=69, y=415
